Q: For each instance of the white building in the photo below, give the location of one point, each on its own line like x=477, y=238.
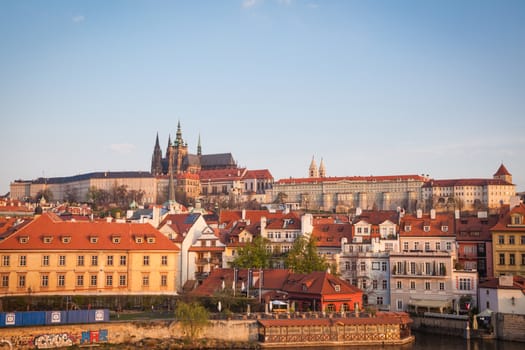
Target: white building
x=505, y=294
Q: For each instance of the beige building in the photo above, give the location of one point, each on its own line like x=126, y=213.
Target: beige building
x=50, y=256
x=470, y=194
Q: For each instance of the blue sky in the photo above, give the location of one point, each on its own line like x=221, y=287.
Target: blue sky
x=372, y=87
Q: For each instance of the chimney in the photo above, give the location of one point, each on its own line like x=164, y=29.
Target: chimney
x=419, y=213
x=456, y=214
x=244, y=214
x=432, y=214
x=358, y=211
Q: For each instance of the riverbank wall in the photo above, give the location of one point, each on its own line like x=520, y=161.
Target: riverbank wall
x=129, y=332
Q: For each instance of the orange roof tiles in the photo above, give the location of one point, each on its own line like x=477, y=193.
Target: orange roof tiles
x=502, y=170
x=51, y=227
x=435, y=226
x=505, y=221
x=330, y=235
x=464, y=182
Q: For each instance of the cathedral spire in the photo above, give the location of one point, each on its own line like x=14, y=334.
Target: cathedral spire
x=199, y=148
x=178, y=138
x=322, y=170
x=156, y=159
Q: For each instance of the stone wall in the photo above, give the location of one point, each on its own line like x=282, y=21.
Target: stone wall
x=510, y=327
x=437, y=325
x=121, y=332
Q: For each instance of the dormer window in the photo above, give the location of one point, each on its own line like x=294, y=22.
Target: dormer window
x=516, y=219
x=23, y=239
x=93, y=239
x=66, y=239
x=337, y=287
x=444, y=228
x=139, y=239
x=426, y=228
x=408, y=228
x=151, y=240
x=115, y=239
x=47, y=239
x=305, y=288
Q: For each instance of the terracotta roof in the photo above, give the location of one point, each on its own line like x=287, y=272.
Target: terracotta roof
x=376, y=217
x=352, y=179
x=258, y=174
x=417, y=225
x=505, y=221
x=180, y=223
x=493, y=283
x=48, y=232
x=330, y=235
x=502, y=171
x=288, y=221
x=467, y=225
x=319, y=282
x=229, y=217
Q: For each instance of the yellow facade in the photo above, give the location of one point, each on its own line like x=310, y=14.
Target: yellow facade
x=508, y=243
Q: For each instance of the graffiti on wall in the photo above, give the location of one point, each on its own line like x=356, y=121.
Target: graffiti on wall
x=51, y=341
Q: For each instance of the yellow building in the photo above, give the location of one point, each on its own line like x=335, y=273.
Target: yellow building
x=50, y=256
x=508, y=243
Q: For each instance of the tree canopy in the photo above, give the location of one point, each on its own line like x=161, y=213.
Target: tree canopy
x=193, y=318
x=254, y=254
x=303, y=257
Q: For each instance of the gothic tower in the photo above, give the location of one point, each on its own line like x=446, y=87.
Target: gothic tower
x=312, y=171
x=503, y=174
x=156, y=159
x=179, y=152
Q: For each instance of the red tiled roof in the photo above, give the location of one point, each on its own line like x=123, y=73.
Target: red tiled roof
x=229, y=217
x=330, y=235
x=502, y=171
x=288, y=221
x=376, y=217
x=417, y=225
x=180, y=223
x=505, y=220
x=318, y=283
x=493, y=283
x=466, y=225
x=352, y=179
x=80, y=233
x=258, y=174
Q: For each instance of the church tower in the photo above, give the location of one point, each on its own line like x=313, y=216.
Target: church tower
x=179, y=151
x=156, y=159
x=312, y=171
x=199, y=148
x=322, y=170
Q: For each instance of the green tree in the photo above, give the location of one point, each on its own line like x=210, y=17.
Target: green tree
x=254, y=254
x=303, y=257
x=193, y=318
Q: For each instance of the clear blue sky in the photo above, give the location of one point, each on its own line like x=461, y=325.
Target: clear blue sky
x=373, y=87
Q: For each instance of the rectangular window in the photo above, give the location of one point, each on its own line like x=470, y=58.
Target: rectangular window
x=164, y=280
x=164, y=260
x=385, y=284
x=363, y=266
x=405, y=245
x=400, y=304
x=438, y=246
x=80, y=260
x=44, y=281
x=428, y=268
x=511, y=240
x=379, y=300
x=145, y=281
x=347, y=265
x=5, y=260
x=399, y=285
x=93, y=280
x=374, y=284
x=412, y=284
x=122, y=260
x=62, y=260
x=383, y=266
x=427, y=246
x=354, y=266
x=23, y=260
x=501, y=240
x=464, y=284
x=145, y=260
x=441, y=286
x=427, y=285
x=109, y=261
x=375, y=265
x=61, y=280
x=94, y=260
x=523, y=259
x=122, y=281
x=412, y=268
x=449, y=246
x=512, y=259
x=523, y=240
x=502, y=258
x=5, y=281
x=21, y=281
x=45, y=260
x=109, y=280
x=80, y=281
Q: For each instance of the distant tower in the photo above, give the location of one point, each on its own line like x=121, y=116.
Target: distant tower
x=322, y=170
x=199, y=148
x=503, y=174
x=313, y=172
x=156, y=159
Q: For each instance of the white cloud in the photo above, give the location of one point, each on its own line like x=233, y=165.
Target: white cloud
x=250, y=3
x=78, y=19
x=122, y=148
